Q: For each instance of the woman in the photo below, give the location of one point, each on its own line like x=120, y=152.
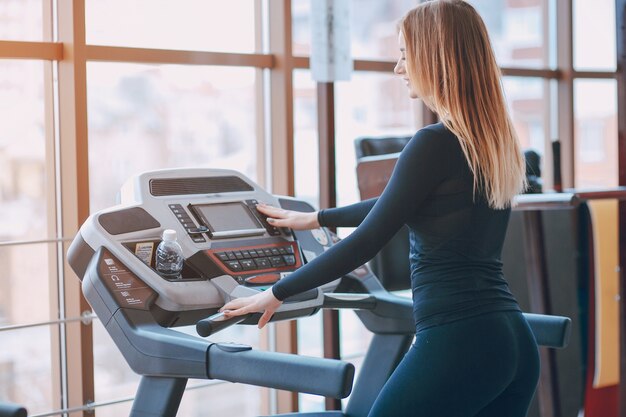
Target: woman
x=453, y=184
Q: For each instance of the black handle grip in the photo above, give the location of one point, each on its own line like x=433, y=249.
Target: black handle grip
x=556, y=165
x=550, y=331
x=349, y=300
x=12, y=410
x=216, y=322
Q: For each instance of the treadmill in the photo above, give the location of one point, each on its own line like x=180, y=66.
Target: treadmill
x=230, y=251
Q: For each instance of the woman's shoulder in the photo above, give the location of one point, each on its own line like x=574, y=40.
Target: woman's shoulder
x=433, y=148
x=435, y=129
x=436, y=136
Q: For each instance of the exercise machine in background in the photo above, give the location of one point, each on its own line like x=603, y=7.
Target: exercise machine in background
x=561, y=256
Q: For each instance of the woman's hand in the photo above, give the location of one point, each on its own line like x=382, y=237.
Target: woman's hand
x=296, y=220
x=263, y=302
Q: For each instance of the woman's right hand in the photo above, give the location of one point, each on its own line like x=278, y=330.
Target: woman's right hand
x=296, y=220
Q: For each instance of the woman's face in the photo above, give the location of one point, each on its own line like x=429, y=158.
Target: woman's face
x=400, y=68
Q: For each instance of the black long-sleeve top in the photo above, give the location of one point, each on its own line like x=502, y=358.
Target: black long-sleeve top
x=455, y=237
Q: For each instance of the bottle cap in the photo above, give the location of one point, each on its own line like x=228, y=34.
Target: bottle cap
x=169, y=235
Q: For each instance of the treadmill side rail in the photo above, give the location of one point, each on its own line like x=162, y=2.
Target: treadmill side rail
x=327, y=377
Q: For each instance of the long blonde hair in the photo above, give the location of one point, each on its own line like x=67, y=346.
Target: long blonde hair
x=451, y=64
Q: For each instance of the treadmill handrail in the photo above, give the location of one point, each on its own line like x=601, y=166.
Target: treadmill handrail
x=358, y=301
x=549, y=330
x=320, y=376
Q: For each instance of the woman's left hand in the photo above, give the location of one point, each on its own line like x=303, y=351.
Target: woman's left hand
x=263, y=302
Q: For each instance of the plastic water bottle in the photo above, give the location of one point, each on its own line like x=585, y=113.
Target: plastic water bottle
x=169, y=256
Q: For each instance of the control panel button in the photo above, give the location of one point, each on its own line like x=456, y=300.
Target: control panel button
x=191, y=228
x=262, y=263
x=259, y=260
x=271, y=230
x=247, y=264
x=234, y=266
x=277, y=261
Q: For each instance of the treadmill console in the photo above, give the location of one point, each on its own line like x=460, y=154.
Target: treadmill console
x=229, y=248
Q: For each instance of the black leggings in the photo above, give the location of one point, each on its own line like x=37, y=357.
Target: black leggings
x=483, y=366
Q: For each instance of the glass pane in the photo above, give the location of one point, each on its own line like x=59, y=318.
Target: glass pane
x=309, y=403
x=355, y=338
x=311, y=343
x=306, y=143
x=372, y=27
x=144, y=117
x=224, y=399
x=113, y=378
x=26, y=368
x=23, y=182
x=518, y=30
x=215, y=25
x=371, y=104
x=528, y=101
x=115, y=410
x=310, y=336
x=594, y=35
x=221, y=399
x=24, y=284
x=301, y=27
x=21, y=20
x=595, y=124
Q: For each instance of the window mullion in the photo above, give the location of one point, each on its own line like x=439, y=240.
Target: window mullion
x=74, y=193
x=565, y=97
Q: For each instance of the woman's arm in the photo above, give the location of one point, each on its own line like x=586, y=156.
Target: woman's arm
x=421, y=167
x=346, y=216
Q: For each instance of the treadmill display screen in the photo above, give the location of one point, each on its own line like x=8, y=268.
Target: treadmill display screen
x=227, y=217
